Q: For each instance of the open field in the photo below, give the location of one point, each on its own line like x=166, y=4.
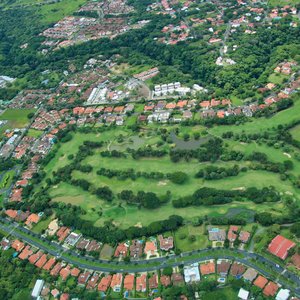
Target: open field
x=17, y=118
x=226, y=293
x=182, y=241
x=282, y=2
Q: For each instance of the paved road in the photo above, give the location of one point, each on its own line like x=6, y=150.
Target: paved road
x=59, y=251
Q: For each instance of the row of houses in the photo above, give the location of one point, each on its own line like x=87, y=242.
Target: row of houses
x=146, y=282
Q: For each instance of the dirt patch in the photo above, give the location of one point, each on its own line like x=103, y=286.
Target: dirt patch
x=288, y=193
x=162, y=183
x=287, y=154
x=139, y=225
x=240, y=188
x=62, y=158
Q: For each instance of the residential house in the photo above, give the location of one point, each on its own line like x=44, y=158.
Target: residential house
x=153, y=282
x=191, y=273
x=92, y=283
x=128, y=282
x=250, y=274
x=136, y=249
x=26, y=252
x=166, y=244
x=260, y=281
x=232, y=233
x=177, y=279
x=165, y=280
x=72, y=239
x=216, y=234
x=104, y=283
x=150, y=248
x=49, y=264
x=116, y=282
x=121, y=250
x=271, y=289
x=223, y=267
x=83, y=278
x=208, y=268
x=141, y=283
x=237, y=270
x=280, y=246
x=244, y=236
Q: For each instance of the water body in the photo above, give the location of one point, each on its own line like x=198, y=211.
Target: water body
x=191, y=144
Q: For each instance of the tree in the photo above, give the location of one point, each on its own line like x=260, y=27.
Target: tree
x=178, y=177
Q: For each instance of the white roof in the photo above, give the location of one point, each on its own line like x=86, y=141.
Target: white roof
x=283, y=294
x=243, y=294
x=37, y=288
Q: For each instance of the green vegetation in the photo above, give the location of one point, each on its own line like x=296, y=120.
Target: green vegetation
x=17, y=118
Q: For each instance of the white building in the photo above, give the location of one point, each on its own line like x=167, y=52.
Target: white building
x=191, y=273
x=283, y=294
x=243, y=294
x=37, y=288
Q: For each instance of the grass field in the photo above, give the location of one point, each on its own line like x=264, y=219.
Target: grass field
x=296, y=132
x=183, y=242
x=34, y=133
x=226, y=293
x=282, y=2
x=17, y=118
x=262, y=124
x=277, y=78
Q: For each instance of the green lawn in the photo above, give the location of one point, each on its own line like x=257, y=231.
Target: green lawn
x=184, y=244
x=277, y=78
x=226, y=293
x=17, y=118
x=56, y=11
x=282, y=2
x=34, y=133
x=296, y=132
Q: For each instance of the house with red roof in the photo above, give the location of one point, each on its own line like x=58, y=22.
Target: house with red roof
x=104, y=283
x=260, y=282
x=129, y=282
x=232, y=233
x=165, y=280
x=93, y=282
x=26, y=252
x=32, y=219
x=270, y=289
x=280, y=246
x=208, y=268
x=49, y=264
x=141, y=283
x=116, y=282
x=39, y=264
x=65, y=272
x=121, y=250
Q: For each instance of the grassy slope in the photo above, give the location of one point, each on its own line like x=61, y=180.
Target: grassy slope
x=262, y=124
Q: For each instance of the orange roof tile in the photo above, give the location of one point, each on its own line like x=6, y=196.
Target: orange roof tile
x=270, y=289
x=260, y=282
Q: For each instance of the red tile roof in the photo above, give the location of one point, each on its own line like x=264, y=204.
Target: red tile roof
x=260, y=282
x=165, y=280
x=17, y=245
x=270, y=289
x=280, y=246
x=104, y=283
x=49, y=264
x=208, y=268
x=25, y=253
x=129, y=282
x=39, y=264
